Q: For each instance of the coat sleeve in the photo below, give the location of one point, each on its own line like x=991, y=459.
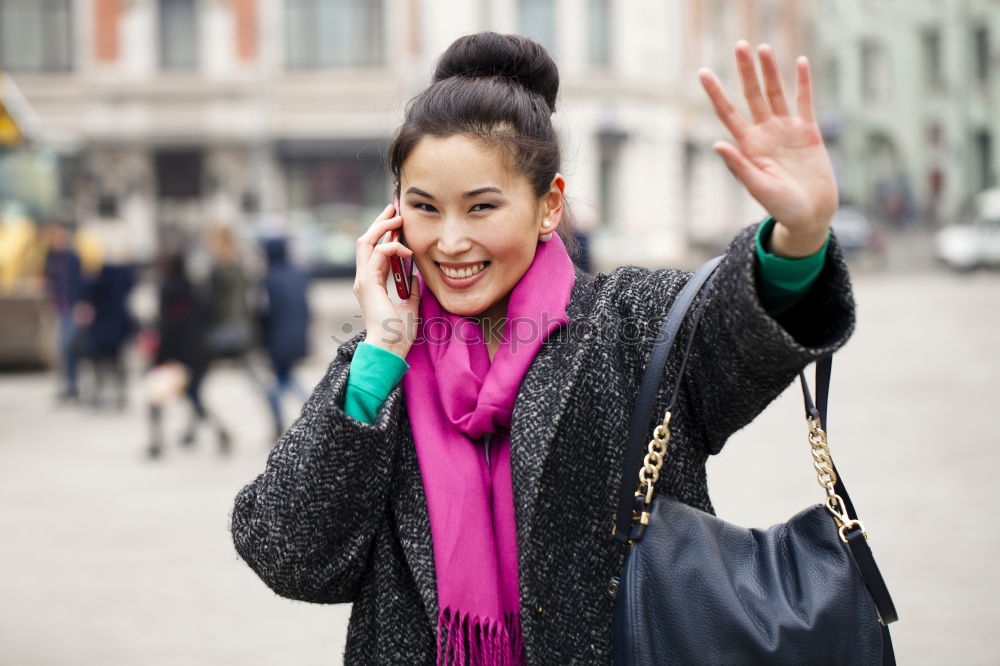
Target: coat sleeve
x=307, y=524
x=742, y=358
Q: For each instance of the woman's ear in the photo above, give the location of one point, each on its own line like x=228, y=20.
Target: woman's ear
x=552, y=206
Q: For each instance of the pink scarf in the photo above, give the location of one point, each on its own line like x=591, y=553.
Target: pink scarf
x=455, y=399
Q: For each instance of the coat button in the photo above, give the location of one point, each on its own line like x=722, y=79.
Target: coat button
x=538, y=608
x=613, y=586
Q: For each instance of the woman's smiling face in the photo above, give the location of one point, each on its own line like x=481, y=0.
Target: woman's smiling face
x=472, y=223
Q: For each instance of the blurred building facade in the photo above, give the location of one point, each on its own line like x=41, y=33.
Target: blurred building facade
x=187, y=112
x=910, y=93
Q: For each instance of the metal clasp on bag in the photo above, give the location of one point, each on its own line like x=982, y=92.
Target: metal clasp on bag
x=835, y=505
x=648, y=475
x=639, y=522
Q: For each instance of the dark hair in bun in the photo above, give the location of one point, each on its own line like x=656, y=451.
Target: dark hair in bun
x=500, y=89
x=517, y=59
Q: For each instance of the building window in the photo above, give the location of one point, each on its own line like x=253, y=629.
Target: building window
x=599, y=32
x=981, y=43
x=610, y=141
x=933, y=64
x=36, y=35
x=831, y=77
x=178, y=173
x=178, y=34
x=334, y=33
x=983, y=148
x=874, y=72
x=537, y=20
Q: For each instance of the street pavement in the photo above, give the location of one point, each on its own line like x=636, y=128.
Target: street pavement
x=107, y=558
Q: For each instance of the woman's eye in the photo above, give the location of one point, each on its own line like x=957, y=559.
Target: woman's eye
x=427, y=208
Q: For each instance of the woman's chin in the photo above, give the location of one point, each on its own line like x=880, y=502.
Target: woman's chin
x=465, y=308
x=469, y=305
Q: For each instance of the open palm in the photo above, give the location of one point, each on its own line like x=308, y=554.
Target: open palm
x=779, y=157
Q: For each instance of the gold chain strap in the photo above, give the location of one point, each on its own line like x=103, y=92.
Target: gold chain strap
x=653, y=462
x=656, y=452
x=826, y=476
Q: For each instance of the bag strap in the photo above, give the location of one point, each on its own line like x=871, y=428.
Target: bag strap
x=700, y=284
x=643, y=409
x=857, y=540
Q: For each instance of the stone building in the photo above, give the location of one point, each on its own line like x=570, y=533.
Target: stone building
x=912, y=97
x=190, y=112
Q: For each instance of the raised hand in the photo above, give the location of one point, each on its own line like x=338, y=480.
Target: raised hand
x=779, y=157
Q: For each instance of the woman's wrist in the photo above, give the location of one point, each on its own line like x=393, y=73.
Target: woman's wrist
x=796, y=244
x=399, y=350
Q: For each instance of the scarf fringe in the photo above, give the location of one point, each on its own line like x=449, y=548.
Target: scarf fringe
x=473, y=641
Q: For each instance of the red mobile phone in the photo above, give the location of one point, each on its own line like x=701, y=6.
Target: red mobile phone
x=400, y=275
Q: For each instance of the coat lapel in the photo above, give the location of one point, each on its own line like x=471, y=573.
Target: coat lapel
x=542, y=401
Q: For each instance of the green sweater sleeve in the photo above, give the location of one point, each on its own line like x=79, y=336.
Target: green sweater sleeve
x=781, y=282
x=374, y=373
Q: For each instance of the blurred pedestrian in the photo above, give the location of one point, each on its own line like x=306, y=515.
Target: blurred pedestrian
x=181, y=329
x=105, y=312
x=584, y=223
x=230, y=327
x=284, y=313
x=64, y=282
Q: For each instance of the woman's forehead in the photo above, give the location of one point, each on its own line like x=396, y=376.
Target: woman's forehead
x=455, y=165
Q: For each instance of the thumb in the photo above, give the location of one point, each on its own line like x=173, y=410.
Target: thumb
x=741, y=167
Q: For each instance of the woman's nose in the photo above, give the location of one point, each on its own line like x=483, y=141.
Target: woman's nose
x=454, y=239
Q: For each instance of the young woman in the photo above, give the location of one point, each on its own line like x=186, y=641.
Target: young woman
x=455, y=473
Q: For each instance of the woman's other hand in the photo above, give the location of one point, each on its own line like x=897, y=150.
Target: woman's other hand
x=779, y=157
x=391, y=326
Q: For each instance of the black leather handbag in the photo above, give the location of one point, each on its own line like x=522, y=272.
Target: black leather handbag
x=698, y=590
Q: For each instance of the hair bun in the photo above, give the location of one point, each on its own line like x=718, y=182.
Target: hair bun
x=488, y=54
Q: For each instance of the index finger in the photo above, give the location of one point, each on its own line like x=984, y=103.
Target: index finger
x=368, y=241
x=378, y=228
x=730, y=117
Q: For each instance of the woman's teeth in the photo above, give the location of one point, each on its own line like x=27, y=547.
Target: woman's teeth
x=463, y=272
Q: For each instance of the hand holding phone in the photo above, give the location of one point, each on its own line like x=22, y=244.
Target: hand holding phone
x=390, y=323
x=401, y=275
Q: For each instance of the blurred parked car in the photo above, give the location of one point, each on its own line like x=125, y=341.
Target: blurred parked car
x=968, y=246
x=855, y=232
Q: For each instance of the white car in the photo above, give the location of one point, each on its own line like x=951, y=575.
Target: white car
x=969, y=246
x=854, y=232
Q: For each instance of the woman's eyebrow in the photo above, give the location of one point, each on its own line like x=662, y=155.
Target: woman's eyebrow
x=467, y=195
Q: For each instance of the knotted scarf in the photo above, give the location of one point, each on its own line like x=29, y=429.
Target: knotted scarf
x=458, y=401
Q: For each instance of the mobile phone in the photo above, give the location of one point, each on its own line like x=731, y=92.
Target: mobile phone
x=401, y=269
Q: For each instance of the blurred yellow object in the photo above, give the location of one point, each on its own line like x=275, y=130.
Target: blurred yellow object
x=165, y=382
x=17, y=120
x=21, y=255
x=89, y=247
x=26, y=324
x=9, y=133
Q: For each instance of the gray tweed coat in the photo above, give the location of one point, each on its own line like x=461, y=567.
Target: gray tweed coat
x=339, y=514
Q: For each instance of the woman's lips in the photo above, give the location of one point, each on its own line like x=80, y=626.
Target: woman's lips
x=462, y=283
